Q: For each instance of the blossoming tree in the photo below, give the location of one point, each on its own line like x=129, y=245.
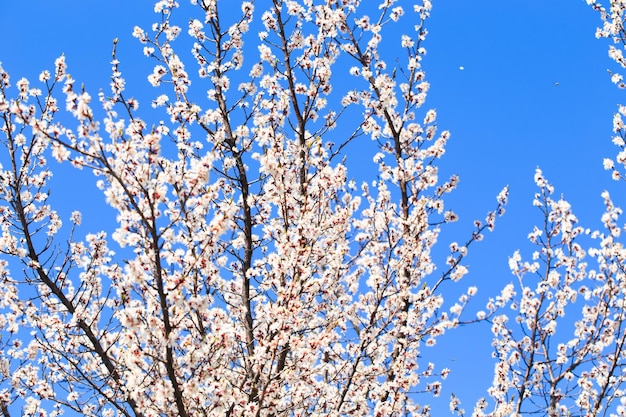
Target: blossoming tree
x=247, y=272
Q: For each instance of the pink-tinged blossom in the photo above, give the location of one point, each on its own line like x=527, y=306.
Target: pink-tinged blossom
x=156, y=76
x=60, y=67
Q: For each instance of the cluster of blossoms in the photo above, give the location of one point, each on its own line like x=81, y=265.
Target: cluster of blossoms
x=547, y=362
x=254, y=276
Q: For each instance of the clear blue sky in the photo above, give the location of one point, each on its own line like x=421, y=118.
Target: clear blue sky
x=534, y=91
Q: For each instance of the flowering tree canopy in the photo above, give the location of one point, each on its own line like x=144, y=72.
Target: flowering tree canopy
x=247, y=272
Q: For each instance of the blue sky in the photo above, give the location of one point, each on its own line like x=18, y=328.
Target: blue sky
x=534, y=91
